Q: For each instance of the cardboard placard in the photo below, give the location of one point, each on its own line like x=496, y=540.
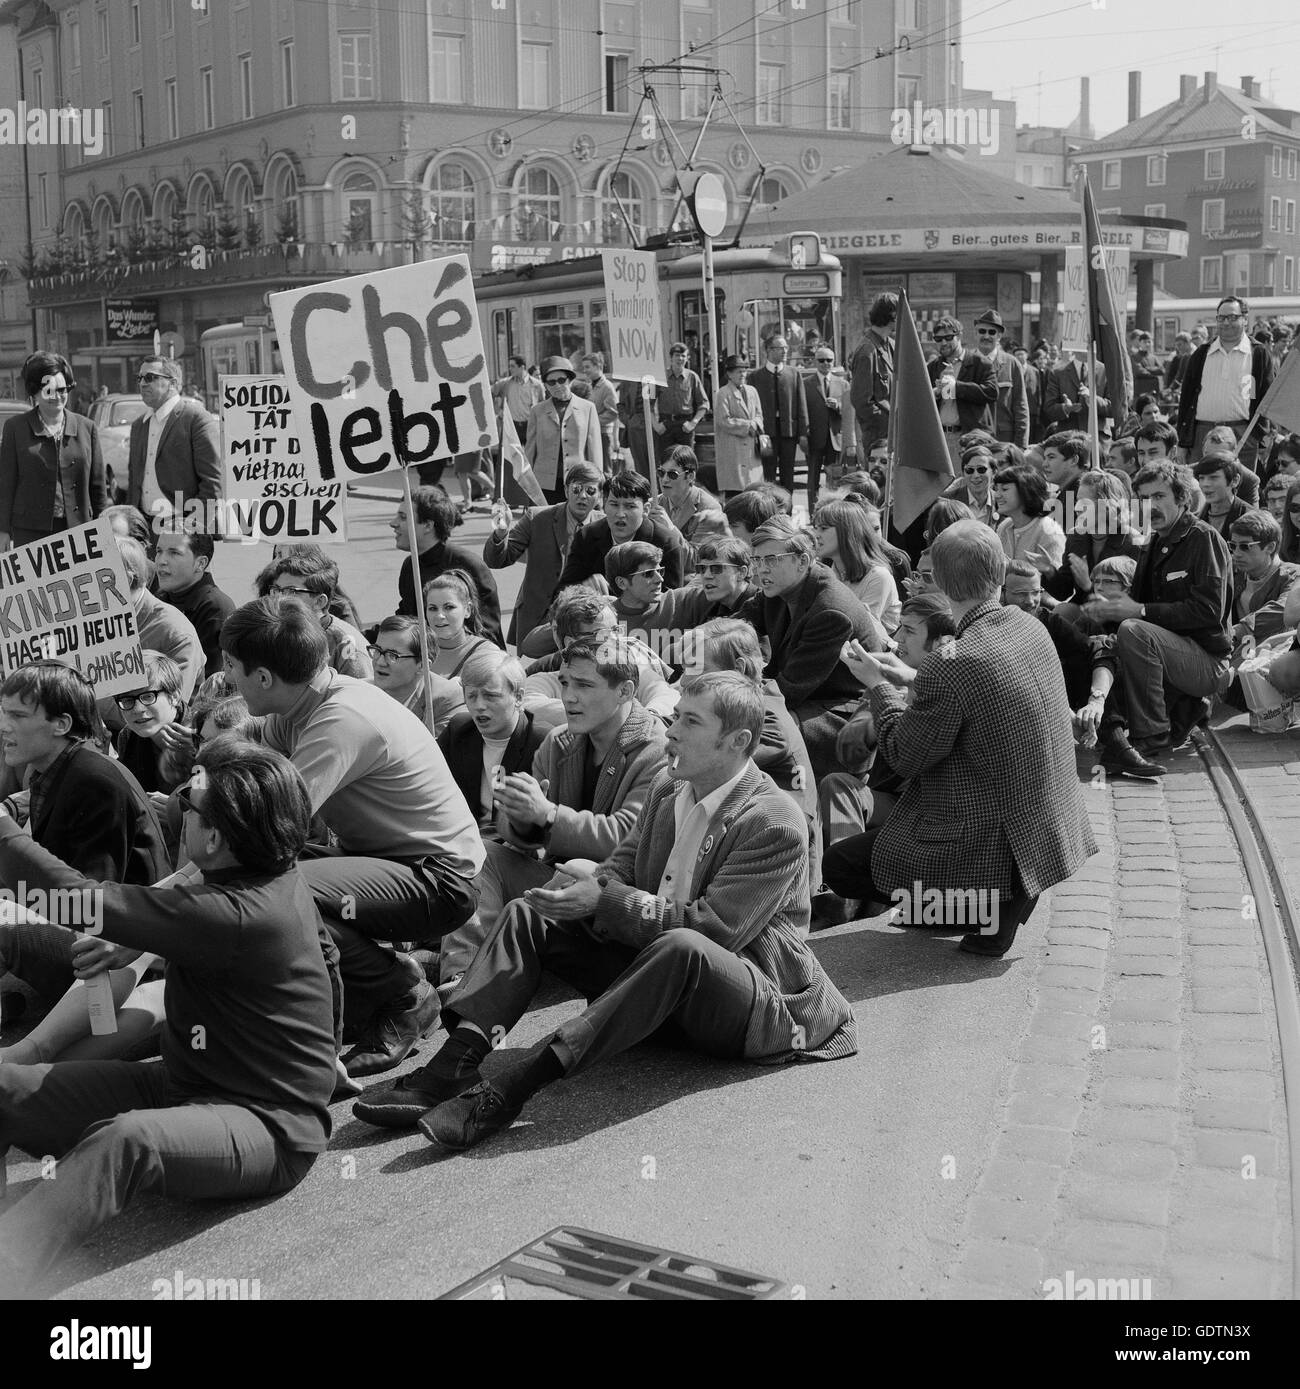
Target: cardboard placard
x=274, y=490
x=386, y=370
x=67, y=598
x=636, y=339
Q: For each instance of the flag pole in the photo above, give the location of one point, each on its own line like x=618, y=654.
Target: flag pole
x=422, y=625
x=890, y=432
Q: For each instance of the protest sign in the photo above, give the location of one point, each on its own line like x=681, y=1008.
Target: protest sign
x=376, y=387
x=1074, y=304
x=274, y=490
x=636, y=339
x=67, y=598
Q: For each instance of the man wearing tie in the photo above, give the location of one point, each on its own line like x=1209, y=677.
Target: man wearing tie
x=1065, y=399
x=174, y=457
x=828, y=421
x=785, y=412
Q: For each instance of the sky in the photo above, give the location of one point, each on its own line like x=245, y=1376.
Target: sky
x=1035, y=51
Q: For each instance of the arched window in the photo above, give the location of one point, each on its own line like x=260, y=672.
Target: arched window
x=358, y=209
x=283, y=189
x=613, y=229
x=203, y=206
x=74, y=224
x=451, y=203
x=773, y=189
x=105, y=227
x=537, y=206
x=239, y=198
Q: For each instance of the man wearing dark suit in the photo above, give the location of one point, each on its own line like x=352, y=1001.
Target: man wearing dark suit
x=807, y=615
x=85, y=808
x=872, y=370
x=627, y=501
x=543, y=537
x=991, y=802
x=785, y=412
x=174, y=455
x=1065, y=400
x=689, y=932
x=965, y=388
x=830, y=419
x=1011, y=413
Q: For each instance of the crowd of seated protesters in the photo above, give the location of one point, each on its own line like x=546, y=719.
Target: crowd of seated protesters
x=747, y=731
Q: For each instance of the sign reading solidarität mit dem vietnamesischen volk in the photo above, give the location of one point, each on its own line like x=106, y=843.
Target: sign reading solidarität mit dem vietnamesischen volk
x=67, y=598
x=386, y=370
x=274, y=487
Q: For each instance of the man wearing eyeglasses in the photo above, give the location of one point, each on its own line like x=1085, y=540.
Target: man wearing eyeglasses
x=174, y=452
x=831, y=424
x=1224, y=382
x=965, y=389
x=542, y=538
x=1261, y=581
x=1011, y=413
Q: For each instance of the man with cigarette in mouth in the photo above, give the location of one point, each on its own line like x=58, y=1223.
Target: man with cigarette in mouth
x=689, y=933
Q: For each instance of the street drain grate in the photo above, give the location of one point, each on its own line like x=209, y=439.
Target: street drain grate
x=568, y=1263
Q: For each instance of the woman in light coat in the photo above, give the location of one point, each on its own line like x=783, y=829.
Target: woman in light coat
x=737, y=423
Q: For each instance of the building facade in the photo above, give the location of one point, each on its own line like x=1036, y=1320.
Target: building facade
x=1225, y=162
x=248, y=147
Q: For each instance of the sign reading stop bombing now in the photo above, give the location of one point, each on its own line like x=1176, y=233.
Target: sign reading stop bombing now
x=636, y=338
x=1074, y=301
x=386, y=370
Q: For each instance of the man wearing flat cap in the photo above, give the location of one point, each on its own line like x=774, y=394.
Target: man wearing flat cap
x=1011, y=413
x=563, y=429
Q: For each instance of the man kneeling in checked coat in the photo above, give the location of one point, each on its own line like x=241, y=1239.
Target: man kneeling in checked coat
x=689, y=932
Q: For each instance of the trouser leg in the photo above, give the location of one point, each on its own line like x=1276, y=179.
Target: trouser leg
x=40, y=955
x=683, y=987
x=506, y=876
x=846, y=866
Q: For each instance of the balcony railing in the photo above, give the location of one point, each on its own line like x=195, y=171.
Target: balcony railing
x=169, y=274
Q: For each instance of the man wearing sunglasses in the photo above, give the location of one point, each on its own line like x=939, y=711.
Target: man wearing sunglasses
x=1261, y=581
x=1011, y=413
x=965, y=389
x=174, y=453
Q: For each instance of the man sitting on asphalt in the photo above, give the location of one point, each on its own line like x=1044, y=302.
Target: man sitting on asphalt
x=582, y=615
x=182, y=563
x=689, y=932
x=82, y=806
x=991, y=804
x=808, y=615
x=1174, y=630
x=1218, y=475
x=239, y=1106
x=627, y=517
x=588, y=783
x=408, y=847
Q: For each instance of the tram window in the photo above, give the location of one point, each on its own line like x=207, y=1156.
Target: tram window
x=505, y=336
x=559, y=331
x=807, y=324
x=600, y=331
x=1166, y=332
x=693, y=329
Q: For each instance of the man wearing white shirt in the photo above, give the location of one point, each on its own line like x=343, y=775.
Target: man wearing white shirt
x=174, y=458
x=1224, y=382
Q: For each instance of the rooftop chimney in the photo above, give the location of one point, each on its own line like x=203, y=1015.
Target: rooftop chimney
x=1211, y=86
x=1134, y=95
x=1085, y=108
x=1250, y=88
x=1187, y=84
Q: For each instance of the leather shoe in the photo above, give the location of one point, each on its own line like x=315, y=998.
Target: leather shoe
x=992, y=946
x=394, y=1031
x=470, y=1118
x=412, y=1098
x=829, y=910
x=344, y=1086
x=1156, y=745
x=1120, y=758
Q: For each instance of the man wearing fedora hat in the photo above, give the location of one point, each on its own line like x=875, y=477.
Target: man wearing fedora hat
x=563, y=429
x=1011, y=413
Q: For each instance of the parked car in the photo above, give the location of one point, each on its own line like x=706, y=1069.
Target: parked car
x=113, y=416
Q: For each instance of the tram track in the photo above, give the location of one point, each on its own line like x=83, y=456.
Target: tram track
x=1278, y=917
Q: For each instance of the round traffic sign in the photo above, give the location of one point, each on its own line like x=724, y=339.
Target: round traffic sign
x=709, y=203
